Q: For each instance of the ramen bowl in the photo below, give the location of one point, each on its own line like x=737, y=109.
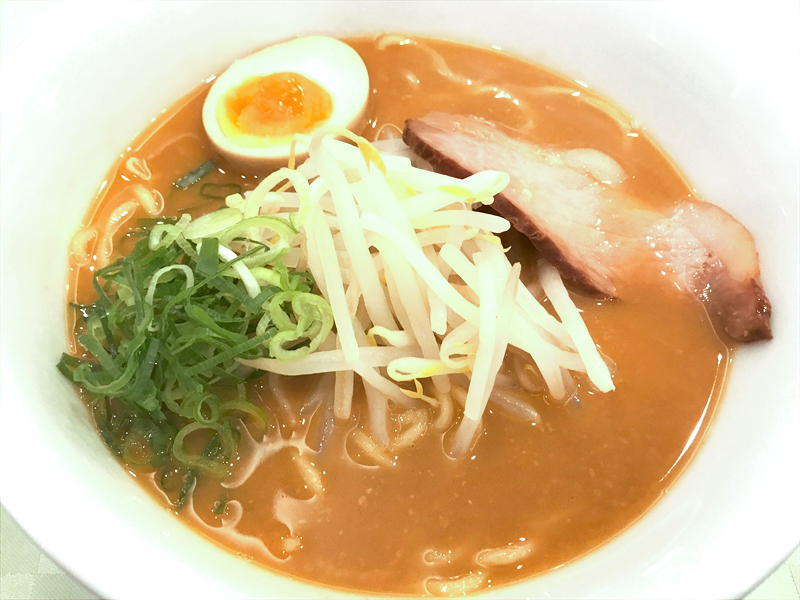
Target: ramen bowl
x=717, y=90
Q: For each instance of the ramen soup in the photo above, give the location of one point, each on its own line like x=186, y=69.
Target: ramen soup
x=398, y=501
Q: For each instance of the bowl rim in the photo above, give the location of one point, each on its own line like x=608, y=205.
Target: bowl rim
x=15, y=502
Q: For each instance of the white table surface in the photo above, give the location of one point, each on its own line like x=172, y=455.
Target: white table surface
x=27, y=573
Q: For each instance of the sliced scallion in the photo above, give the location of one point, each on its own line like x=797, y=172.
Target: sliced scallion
x=164, y=338
x=195, y=174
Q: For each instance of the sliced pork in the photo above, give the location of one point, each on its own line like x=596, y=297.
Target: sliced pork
x=570, y=204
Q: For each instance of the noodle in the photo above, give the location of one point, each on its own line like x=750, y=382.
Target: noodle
x=418, y=421
x=282, y=399
x=105, y=245
x=505, y=555
x=138, y=166
x=368, y=446
x=310, y=474
x=444, y=416
x=455, y=586
x=81, y=246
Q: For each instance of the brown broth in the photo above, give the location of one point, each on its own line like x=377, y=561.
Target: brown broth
x=569, y=485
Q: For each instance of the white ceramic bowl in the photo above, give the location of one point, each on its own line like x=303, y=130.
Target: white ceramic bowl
x=716, y=87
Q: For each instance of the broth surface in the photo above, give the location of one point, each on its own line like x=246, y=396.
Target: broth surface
x=584, y=474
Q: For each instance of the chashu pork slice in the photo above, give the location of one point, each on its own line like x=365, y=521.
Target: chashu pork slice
x=570, y=205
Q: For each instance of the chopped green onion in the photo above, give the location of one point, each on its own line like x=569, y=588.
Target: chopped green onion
x=164, y=337
x=216, y=466
x=195, y=174
x=209, y=257
x=221, y=504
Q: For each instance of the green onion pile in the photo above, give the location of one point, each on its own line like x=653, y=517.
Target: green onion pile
x=170, y=321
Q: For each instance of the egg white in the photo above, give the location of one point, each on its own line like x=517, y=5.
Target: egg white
x=328, y=62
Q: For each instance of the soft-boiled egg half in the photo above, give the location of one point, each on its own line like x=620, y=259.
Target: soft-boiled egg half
x=253, y=109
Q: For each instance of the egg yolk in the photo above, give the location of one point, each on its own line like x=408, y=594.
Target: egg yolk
x=273, y=106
